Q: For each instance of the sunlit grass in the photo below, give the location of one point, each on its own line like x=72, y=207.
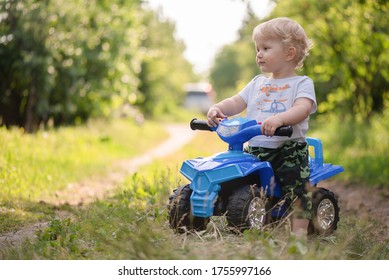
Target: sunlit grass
x=35, y=166
x=32, y=165
x=133, y=225
x=204, y=144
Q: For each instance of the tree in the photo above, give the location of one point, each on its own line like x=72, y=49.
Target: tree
x=350, y=59
x=235, y=64
x=164, y=70
x=349, y=62
x=22, y=71
x=65, y=61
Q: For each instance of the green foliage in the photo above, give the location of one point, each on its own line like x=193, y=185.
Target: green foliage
x=349, y=61
x=62, y=62
x=234, y=65
x=60, y=236
x=231, y=66
x=164, y=70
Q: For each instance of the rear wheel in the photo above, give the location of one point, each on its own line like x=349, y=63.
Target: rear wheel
x=180, y=217
x=247, y=208
x=325, y=213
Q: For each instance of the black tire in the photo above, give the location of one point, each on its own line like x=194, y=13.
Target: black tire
x=247, y=208
x=325, y=213
x=180, y=218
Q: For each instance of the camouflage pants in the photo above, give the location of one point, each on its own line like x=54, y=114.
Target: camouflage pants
x=291, y=169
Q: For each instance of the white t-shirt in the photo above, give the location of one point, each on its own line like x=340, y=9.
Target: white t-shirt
x=266, y=97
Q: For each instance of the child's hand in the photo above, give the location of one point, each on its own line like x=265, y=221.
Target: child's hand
x=214, y=115
x=270, y=125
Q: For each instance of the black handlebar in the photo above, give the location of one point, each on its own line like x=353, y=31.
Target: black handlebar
x=284, y=131
x=196, y=124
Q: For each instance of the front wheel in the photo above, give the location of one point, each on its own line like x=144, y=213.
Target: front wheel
x=247, y=208
x=180, y=217
x=325, y=213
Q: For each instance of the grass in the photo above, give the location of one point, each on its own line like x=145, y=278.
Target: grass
x=362, y=148
x=31, y=165
x=36, y=166
x=133, y=225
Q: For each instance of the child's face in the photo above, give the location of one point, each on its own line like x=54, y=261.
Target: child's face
x=271, y=56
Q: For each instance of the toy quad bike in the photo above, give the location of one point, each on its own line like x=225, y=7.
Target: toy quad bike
x=241, y=187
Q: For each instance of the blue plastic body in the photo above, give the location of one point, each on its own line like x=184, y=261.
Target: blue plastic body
x=320, y=170
x=207, y=174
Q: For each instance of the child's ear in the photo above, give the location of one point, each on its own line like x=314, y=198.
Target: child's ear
x=290, y=53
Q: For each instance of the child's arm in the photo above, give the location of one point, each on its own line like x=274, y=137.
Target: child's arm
x=228, y=107
x=300, y=110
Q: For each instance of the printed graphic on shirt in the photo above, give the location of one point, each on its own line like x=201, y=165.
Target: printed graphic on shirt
x=277, y=106
x=269, y=88
x=272, y=98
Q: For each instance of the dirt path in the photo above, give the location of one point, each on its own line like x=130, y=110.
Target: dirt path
x=100, y=186
x=363, y=201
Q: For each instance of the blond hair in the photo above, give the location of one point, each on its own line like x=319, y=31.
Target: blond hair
x=289, y=32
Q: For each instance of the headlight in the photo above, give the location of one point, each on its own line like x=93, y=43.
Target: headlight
x=228, y=130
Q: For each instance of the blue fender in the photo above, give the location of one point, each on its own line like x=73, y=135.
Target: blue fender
x=320, y=170
x=207, y=175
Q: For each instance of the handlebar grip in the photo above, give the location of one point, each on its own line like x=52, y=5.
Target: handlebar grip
x=284, y=131
x=196, y=124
